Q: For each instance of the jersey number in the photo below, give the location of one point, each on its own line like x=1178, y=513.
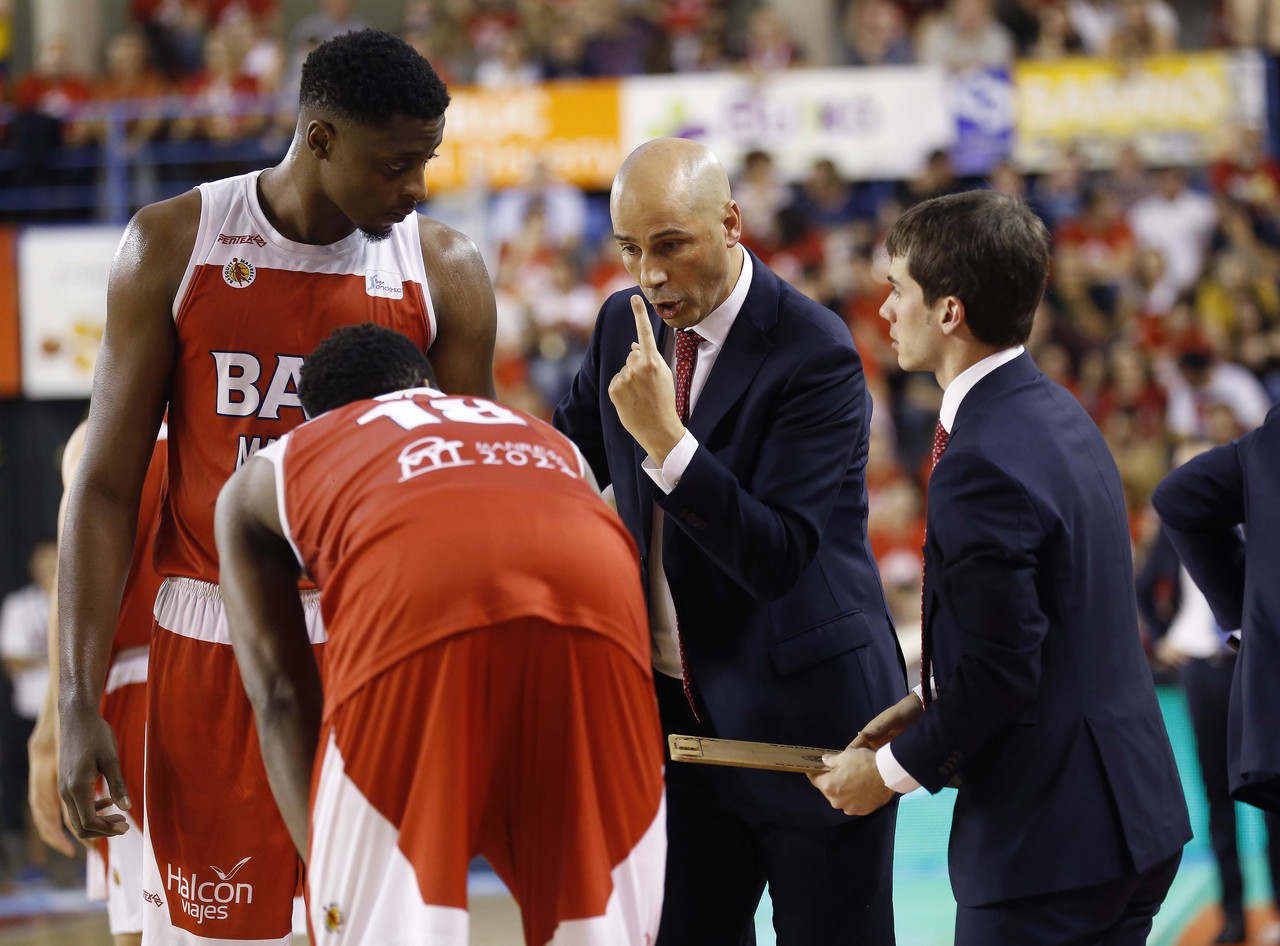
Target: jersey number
x=410, y=415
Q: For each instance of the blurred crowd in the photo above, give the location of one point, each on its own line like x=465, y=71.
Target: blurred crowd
x=229, y=66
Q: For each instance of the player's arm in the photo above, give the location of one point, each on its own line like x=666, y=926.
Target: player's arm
x=466, y=314
x=42, y=747
x=259, y=579
x=130, y=390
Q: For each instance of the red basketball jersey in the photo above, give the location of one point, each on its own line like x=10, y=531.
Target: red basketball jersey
x=422, y=515
x=251, y=306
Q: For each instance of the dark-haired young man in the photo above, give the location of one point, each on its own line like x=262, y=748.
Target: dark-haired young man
x=487, y=686
x=214, y=298
x=1070, y=821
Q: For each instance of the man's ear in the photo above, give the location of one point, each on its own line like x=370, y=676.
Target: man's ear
x=953, y=315
x=320, y=135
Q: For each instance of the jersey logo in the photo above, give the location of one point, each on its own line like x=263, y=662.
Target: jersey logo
x=383, y=285
x=333, y=918
x=239, y=273
x=231, y=873
x=428, y=455
x=230, y=240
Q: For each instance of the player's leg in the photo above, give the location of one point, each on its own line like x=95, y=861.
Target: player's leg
x=222, y=867
x=394, y=812
x=587, y=816
x=124, y=707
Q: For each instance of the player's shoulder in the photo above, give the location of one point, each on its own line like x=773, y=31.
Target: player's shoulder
x=444, y=248
x=164, y=233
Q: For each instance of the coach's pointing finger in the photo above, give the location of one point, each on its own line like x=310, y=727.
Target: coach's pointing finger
x=643, y=392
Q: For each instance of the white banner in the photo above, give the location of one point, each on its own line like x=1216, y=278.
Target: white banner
x=62, y=301
x=875, y=124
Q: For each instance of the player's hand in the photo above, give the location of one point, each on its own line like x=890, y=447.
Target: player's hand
x=42, y=787
x=644, y=392
x=88, y=750
x=889, y=723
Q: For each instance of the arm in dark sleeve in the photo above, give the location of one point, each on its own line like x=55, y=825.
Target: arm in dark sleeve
x=1160, y=570
x=1201, y=505
x=765, y=535
x=986, y=534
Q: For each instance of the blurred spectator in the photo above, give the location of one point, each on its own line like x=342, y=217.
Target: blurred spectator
x=175, y=33
x=826, y=199
x=564, y=55
x=1055, y=37
x=1138, y=32
x=620, y=41
x=6, y=45
x=936, y=178
x=129, y=82
x=1005, y=178
x=1198, y=382
x=509, y=65
x=333, y=18
x=222, y=103
x=768, y=44
x=1252, y=23
x=761, y=192
x=258, y=43
x=563, y=312
x=965, y=35
x=1058, y=195
x=1247, y=173
x=875, y=34
x=901, y=575
x=562, y=207
x=1177, y=221
x=46, y=102
x=1103, y=246
x=685, y=24
x=1127, y=181
x=24, y=648
x=1097, y=21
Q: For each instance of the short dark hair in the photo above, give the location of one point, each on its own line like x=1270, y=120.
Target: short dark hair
x=357, y=362
x=369, y=77
x=989, y=250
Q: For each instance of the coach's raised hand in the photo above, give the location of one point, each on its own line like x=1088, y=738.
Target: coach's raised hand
x=643, y=392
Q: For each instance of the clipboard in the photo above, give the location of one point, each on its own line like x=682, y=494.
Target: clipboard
x=746, y=755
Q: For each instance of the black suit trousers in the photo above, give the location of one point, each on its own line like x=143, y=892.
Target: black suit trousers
x=829, y=886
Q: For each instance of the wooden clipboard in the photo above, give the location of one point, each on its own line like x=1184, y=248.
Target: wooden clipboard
x=746, y=755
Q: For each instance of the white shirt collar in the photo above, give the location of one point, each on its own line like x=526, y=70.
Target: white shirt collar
x=965, y=380
x=715, y=327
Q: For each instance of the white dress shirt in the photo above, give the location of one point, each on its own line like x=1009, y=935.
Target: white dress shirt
x=891, y=770
x=714, y=329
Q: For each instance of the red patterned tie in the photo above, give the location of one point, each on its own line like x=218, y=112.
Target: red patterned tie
x=687, y=343
x=940, y=440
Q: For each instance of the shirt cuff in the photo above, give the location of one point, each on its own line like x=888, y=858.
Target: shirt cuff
x=892, y=772
x=667, y=476
x=918, y=690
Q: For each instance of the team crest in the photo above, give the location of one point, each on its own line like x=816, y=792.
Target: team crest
x=333, y=918
x=115, y=876
x=239, y=273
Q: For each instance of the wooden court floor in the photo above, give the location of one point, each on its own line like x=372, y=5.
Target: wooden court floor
x=495, y=921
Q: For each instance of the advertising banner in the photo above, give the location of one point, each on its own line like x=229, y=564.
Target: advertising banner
x=62, y=278
x=1175, y=109
x=495, y=137
x=875, y=124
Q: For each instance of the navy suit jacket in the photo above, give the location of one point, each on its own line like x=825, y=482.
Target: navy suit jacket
x=1202, y=505
x=784, y=622
x=1045, y=709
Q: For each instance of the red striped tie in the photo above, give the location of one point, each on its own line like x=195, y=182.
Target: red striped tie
x=687, y=343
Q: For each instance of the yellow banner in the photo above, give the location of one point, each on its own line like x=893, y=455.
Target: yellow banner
x=1174, y=107
x=495, y=137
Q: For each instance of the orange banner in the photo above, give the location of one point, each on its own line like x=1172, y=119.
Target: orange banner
x=497, y=137
x=10, y=356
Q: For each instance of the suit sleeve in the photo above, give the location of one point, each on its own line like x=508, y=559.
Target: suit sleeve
x=578, y=417
x=1160, y=568
x=985, y=536
x=1201, y=505
x=764, y=533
